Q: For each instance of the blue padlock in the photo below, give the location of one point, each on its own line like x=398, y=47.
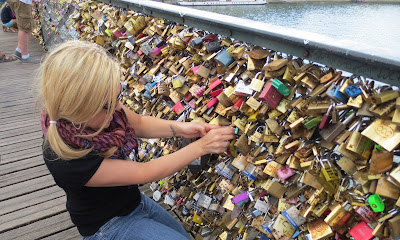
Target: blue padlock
x=353, y=91
x=331, y=91
x=223, y=58
x=147, y=94
x=264, y=237
x=338, y=95
x=149, y=86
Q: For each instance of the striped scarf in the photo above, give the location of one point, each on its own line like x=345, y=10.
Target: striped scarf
x=118, y=134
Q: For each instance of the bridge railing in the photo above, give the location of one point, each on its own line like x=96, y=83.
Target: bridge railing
x=346, y=56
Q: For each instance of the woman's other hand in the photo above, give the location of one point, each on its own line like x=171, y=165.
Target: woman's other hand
x=217, y=140
x=196, y=129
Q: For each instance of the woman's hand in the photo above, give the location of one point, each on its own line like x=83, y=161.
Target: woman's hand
x=216, y=140
x=195, y=129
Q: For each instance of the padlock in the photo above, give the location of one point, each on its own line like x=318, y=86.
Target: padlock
x=274, y=188
x=319, y=229
x=387, y=189
x=333, y=131
x=196, y=42
x=223, y=58
x=178, y=108
x=325, y=119
x=353, y=91
x=177, y=81
x=270, y=95
x=240, y=162
x=282, y=89
x=256, y=83
x=292, y=215
x=242, y=145
x=283, y=226
x=384, y=133
x=243, y=89
x=284, y=173
x=376, y=203
x=384, y=97
x=358, y=143
x=361, y=231
x=213, y=46
x=271, y=168
x=337, y=215
x=394, y=224
x=381, y=162
x=366, y=214
x=312, y=122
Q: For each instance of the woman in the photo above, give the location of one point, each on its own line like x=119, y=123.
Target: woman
x=88, y=136
x=8, y=18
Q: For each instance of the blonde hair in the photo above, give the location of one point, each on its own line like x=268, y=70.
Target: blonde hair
x=76, y=80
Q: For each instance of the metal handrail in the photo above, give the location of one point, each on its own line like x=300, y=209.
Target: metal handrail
x=313, y=47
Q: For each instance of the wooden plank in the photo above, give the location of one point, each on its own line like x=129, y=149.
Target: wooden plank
x=39, y=229
x=26, y=187
x=19, y=155
x=21, y=113
x=31, y=214
x=24, y=175
x=21, y=146
x=16, y=103
x=69, y=234
x=17, y=116
x=16, y=108
x=18, y=123
x=21, y=165
x=20, y=138
x=30, y=199
x=22, y=99
x=19, y=131
x=7, y=96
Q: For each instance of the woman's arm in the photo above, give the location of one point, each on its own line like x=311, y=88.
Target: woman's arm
x=114, y=172
x=151, y=127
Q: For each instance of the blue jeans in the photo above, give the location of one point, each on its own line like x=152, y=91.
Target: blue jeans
x=149, y=221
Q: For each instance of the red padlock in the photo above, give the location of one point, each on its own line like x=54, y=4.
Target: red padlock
x=199, y=92
x=366, y=213
x=212, y=102
x=214, y=84
x=195, y=69
x=326, y=118
x=361, y=232
x=178, y=108
x=216, y=92
x=188, y=97
x=270, y=95
x=237, y=105
x=192, y=104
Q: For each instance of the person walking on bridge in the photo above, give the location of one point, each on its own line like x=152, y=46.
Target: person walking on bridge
x=23, y=12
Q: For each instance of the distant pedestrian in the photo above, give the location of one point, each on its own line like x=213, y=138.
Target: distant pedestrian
x=6, y=58
x=8, y=18
x=23, y=11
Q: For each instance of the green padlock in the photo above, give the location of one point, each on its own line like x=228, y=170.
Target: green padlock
x=285, y=91
x=379, y=148
x=309, y=123
x=376, y=203
x=108, y=32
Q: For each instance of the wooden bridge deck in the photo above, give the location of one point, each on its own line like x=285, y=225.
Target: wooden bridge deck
x=31, y=205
